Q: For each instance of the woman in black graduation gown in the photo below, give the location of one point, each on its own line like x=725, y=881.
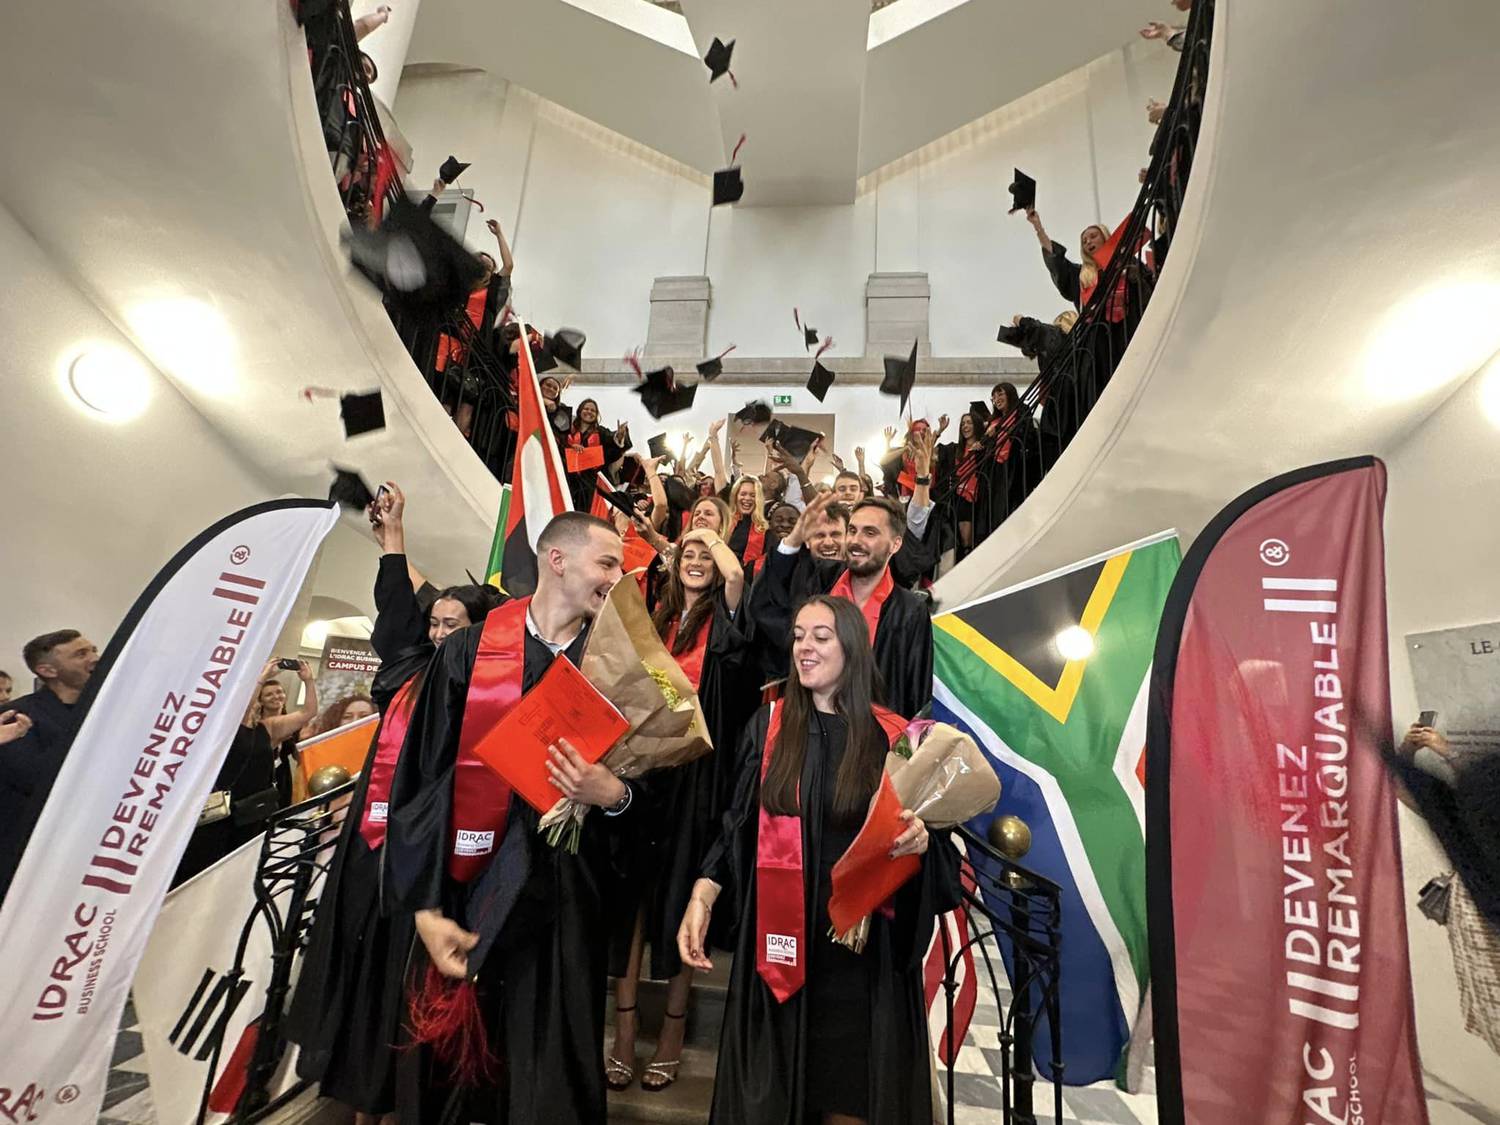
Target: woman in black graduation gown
x=849, y=1043
x=249, y=776
x=347, y=1010
x=698, y=617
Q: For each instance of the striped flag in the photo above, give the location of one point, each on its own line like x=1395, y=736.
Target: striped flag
x=950, y=943
x=537, y=483
x=1066, y=734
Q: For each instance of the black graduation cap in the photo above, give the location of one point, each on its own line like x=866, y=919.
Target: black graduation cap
x=809, y=336
x=900, y=375
x=413, y=257
x=1022, y=192
x=661, y=395
x=717, y=60
x=980, y=411
x=657, y=446
x=350, y=490
x=794, y=439
x=754, y=413
x=452, y=169
x=820, y=380
x=713, y=367
x=362, y=413
x=566, y=344
x=618, y=498
x=728, y=186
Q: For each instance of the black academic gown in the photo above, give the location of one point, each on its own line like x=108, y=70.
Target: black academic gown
x=347, y=1011
x=854, y=1038
x=690, y=800
x=28, y=767
x=542, y=984
x=903, y=638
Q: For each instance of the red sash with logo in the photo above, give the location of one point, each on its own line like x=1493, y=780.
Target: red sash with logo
x=691, y=660
x=844, y=588
x=383, y=765
x=481, y=797
x=780, y=892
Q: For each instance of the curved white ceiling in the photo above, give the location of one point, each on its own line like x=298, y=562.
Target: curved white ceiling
x=828, y=92
x=1335, y=275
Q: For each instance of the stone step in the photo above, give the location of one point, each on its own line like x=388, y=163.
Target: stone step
x=705, y=1010
x=686, y=1100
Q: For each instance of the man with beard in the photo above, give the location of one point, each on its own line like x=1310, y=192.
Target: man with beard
x=513, y=933
x=63, y=661
x=899, y=621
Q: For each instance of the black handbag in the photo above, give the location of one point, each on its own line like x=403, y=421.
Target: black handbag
x=255, y=807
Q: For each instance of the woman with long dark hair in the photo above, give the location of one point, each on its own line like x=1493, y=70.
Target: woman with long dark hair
x=964, y=462
x=585, y=437
x=815, y=1032
x=698, y=617
x=346, y=1013
x=1011, y=433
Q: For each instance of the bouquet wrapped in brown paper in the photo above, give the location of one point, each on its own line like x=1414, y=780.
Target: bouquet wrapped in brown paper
x=626, y=660
x=937, y=772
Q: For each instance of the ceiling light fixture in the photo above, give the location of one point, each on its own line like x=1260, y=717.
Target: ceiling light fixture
x=110, y=381
x=1075, y=643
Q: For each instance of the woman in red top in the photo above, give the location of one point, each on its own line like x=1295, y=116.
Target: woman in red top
x=965, y=461
x=698, y=618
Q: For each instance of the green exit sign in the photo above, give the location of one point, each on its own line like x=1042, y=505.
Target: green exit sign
x=782, y=400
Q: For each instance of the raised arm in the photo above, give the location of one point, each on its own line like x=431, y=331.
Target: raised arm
x=1041, y=234
x=721, y=475
x=729, y=566
x=507, y=263
x=658, y=490
x=283, y=727
x=378, y=19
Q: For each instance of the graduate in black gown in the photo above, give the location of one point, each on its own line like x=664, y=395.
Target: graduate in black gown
x=346, y=1013
x=813, y=1031
x=900, y=623
x=520, y=922
x=698, y=616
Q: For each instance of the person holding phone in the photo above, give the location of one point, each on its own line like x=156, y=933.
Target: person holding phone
x=245, y=793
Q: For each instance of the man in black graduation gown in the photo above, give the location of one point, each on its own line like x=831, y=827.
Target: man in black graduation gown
x=902, y=631
x=531, y=925
x=63, y=661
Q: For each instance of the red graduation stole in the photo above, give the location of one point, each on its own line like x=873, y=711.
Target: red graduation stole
x=691, y=660
x=383, y=764
x=780, y=893
x=844, y=588
x=481, y=797
x=755, y=543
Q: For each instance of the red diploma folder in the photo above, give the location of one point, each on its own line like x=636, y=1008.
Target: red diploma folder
x=585, y=457
x=563, y=704
x=866, y=875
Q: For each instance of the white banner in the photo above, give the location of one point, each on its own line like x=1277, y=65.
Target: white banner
x=161, y=712
x=185, y=996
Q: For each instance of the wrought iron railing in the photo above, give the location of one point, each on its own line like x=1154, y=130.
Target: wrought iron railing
x=1016, y=914
x=296, y=850
x=1072, y=377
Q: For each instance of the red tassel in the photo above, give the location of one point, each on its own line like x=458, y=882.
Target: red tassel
x=733, y=80
x=634, y=359
x=726, y=351
x=445, y=1015
x=827, y=343
x=737, y=145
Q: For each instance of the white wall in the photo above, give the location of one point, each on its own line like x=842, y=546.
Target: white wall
x=94, y=508
x=1442, y=535
x=594, y=217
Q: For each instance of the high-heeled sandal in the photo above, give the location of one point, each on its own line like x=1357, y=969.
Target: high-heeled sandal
x=666, y=1071
x=618, y=1075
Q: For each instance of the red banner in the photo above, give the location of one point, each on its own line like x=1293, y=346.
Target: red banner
x=1282, y=992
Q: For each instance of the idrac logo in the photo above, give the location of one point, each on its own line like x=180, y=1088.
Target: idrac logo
x=1273, y=552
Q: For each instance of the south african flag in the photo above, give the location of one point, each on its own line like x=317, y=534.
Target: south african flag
x=1050, y=677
